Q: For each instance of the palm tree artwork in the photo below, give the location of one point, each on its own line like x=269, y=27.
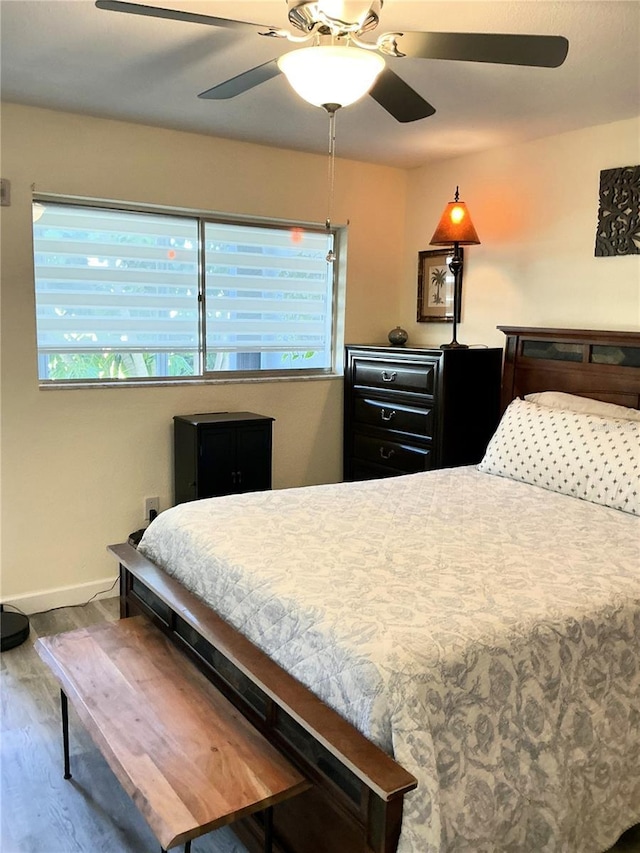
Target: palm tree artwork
x=437, y=281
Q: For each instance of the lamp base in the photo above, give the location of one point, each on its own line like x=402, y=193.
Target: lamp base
x=454, y=345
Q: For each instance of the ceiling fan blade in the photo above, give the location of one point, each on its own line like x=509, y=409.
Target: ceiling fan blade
x=542, y=51
x=399, y=99
x=176, y=15
x=242, y=82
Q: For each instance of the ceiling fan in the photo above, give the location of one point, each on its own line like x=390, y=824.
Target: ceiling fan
x=332, y=31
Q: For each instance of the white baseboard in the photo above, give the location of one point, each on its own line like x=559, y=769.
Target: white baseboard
x=65, y=596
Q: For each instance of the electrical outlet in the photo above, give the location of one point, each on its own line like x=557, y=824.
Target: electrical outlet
x=151, y=505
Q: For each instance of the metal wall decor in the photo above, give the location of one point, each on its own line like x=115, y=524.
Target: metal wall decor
x=618, y=231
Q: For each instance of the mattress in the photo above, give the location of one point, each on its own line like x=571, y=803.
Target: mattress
x=484, y=632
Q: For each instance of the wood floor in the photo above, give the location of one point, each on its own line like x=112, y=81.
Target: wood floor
x=43, y=813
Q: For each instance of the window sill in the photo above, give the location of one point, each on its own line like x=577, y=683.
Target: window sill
x=180, y=383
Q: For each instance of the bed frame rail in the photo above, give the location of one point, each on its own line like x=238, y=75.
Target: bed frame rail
x=355, y=802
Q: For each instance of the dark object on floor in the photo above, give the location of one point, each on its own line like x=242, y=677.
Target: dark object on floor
x=14, y=628
x=135, y=537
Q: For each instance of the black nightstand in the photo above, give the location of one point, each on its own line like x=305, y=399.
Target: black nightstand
x=221, y=453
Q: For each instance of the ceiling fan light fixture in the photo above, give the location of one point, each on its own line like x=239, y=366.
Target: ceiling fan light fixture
x=331, y=74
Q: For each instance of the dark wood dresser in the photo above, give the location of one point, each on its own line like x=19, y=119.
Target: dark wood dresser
x=409, y=409
x=221, y=453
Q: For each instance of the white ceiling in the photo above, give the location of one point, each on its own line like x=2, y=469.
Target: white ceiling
x=68, y=55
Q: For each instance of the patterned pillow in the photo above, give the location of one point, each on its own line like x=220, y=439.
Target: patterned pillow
x=586, y=456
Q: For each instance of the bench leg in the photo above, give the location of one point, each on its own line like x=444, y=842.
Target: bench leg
x=64, y=707
x=268, y=829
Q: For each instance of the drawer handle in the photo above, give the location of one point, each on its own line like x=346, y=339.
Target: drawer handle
x=388, y=416
x=389, y=377
x=386, y=454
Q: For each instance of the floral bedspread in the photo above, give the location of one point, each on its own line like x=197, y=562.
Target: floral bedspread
x=484, y=632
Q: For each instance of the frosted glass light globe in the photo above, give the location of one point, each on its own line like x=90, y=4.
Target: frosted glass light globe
x=331, y=74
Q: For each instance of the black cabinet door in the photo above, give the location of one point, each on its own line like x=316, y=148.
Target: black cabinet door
x=216, y=462
x=253, y=458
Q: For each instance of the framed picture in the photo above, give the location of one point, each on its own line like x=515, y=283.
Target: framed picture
x=435, y=286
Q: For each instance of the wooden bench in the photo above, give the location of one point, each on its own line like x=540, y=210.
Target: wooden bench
x=186, y=756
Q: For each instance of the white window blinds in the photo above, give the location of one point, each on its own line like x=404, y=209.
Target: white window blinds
x=268, y=294
x=118, y=295
x=115, y=286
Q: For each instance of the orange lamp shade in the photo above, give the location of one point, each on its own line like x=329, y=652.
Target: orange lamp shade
x=455, y=226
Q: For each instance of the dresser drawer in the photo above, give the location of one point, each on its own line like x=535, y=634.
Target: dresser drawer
x=391, y=454
x=368, y=471
x=393, y=416
x=395, y=376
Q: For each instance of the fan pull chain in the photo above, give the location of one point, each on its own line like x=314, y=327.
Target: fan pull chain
x=331, y=110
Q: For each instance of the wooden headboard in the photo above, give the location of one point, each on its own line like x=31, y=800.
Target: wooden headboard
x=598, y=364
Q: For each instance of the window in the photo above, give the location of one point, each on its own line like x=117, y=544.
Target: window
x=125, y=294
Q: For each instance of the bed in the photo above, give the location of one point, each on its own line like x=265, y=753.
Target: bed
x=451, y=657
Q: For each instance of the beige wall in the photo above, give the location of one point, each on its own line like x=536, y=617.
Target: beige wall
x=77, y=464
x=535, y=208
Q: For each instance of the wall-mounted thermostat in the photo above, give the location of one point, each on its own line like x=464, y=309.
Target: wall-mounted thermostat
x=5, y=192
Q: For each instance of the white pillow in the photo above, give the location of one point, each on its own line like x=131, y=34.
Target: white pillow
x=574, y=403
x=586, y=456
